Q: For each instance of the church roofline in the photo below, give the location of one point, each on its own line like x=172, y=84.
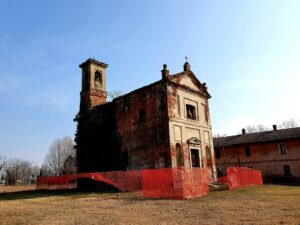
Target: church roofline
x=139, y=89
x=169, y=79
x=204, y=93
x=202, y=85
x=89, y=60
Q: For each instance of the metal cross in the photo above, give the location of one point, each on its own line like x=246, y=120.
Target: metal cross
x=186, y=58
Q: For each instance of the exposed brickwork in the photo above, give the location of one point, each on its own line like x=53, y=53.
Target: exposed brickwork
x=144, y=139
x=137, y=130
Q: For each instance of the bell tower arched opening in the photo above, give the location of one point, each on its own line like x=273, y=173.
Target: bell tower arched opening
x=93, y=90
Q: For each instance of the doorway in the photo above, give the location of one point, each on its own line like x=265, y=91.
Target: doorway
x=195, y=158
x=287, y=170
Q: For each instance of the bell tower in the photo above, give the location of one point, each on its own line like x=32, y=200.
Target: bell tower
x=93, y=89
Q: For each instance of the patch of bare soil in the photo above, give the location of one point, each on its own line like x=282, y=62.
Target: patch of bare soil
x=268, y=204
x=16, y=188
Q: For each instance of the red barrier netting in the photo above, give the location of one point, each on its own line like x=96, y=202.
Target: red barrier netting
x=175, y=183
x=56, y=182
x=155, y=183
x=222, y=180
x=123, y=180
x=238, y=177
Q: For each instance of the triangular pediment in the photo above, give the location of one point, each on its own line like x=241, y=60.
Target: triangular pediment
x=194, y=141
x=189, y=80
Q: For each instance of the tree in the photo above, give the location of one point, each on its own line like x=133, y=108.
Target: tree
x=256, y=128
x=291, y=123
x=2, y=162
x=114, y=94
x=218, y=135
x=2, y=165
x=59, y=151
x=20, y=171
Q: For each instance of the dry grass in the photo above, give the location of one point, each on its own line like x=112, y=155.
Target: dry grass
x=16, y=188
x=268, y=204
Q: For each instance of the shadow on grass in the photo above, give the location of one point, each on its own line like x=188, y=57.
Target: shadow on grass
x=31, y=194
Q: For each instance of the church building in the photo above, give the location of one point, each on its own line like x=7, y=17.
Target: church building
x=165, y=124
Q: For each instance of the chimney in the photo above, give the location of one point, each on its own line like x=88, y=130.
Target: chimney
x=243, y=131
x=274, y=127
x=164, y=72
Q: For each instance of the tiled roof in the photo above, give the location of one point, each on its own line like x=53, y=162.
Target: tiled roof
x=266, y=136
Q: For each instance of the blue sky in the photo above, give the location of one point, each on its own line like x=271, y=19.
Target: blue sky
x=248, y=53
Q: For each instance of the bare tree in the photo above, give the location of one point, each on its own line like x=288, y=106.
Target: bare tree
x=291, y=123
x=114, y=94
x=70, y=165
x=2, y=162
x=218, y=135
x=2, y=165
x=19, y=171
x=59, y=151
x=256, y=128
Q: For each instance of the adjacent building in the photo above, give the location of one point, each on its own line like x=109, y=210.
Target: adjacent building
x=276, y=153
x=164, y=124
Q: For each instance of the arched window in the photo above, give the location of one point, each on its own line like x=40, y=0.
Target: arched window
x=98, y=77
x=179, y=156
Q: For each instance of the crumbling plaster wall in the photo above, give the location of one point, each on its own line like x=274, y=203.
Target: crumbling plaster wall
x=181, y=128
x=145, y=140
x=264, y=157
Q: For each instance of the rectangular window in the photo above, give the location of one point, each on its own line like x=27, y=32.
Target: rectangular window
x=282, y=149
x=191, y=112
x=247, y=152
x=142, y=115
x=195, y=158
x=287, y=170
x=218, y=153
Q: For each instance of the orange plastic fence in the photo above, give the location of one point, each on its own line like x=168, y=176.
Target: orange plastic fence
x=123, y=180
x=238, y=177
x=222, y=179
x=172, y=183
x=175, y=183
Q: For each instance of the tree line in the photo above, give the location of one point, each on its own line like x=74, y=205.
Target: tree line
x=13, y=171
x=60, y=160
x=285, y=124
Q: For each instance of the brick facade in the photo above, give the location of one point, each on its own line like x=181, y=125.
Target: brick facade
x=162, y=125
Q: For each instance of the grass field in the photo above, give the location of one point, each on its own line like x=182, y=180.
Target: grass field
x=268, y=204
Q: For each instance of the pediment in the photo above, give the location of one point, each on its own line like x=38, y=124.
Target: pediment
x=194, y=141
x=190, y=81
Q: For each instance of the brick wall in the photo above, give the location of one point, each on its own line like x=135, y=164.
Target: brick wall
x=263, y=156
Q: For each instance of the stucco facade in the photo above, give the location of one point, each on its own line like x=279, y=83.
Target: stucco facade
x=163, y=124
x=275, y=153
